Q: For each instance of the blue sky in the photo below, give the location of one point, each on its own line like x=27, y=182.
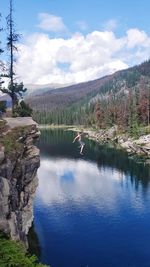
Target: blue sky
x=129, y=13
x=80, y=40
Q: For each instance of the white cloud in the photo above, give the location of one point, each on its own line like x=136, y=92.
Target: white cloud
x=79, y=58
x=136, y=37
x=52, y=23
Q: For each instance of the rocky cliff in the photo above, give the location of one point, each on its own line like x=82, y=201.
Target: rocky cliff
x=19, y=161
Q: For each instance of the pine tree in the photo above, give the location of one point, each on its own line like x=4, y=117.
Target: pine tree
x=1, y=63
x=14, y=89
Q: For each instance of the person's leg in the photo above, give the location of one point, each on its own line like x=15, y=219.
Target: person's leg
x=81, y=150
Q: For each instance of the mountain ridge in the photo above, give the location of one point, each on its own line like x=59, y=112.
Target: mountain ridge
x=53, y=99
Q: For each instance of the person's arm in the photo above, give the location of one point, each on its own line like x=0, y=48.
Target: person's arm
x=75, y=138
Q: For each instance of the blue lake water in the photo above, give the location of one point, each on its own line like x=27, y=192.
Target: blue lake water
x=91, y=210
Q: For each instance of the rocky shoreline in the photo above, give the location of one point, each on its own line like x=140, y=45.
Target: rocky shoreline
x=135, y=147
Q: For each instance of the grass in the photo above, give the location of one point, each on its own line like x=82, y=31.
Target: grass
x=2, y=126
x=14, y=146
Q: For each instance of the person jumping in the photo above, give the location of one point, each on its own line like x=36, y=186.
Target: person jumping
x=82, y=144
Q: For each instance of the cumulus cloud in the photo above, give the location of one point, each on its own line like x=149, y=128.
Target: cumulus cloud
x=137, y=38
x=79, y=58
x=52, y=23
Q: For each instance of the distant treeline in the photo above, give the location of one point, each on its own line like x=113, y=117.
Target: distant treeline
x=123, y=100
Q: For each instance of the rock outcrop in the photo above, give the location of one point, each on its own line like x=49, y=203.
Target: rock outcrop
x=19, y=161
x=136, y=147
x=139, y=146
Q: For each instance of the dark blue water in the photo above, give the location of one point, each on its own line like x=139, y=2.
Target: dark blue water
x=91, y=210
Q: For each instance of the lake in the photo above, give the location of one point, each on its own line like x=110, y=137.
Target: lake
x=90, y=210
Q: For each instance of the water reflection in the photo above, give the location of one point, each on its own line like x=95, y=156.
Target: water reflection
x=69, y=179
x=58, y=143
x=33, y=242
x=91, y=210
x=83, y=183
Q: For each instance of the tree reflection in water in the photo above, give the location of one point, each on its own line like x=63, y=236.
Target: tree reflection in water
x=59, y=143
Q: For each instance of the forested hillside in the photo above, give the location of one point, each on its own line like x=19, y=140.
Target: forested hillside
x=122, y=98
x=55, y=99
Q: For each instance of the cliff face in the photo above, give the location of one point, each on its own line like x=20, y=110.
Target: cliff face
x=19, y=161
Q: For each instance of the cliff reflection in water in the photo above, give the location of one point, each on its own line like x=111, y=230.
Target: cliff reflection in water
x=90, y=210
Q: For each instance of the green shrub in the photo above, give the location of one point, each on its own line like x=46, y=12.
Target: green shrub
x=3, y=106
x=13, y=254
x=23, y=110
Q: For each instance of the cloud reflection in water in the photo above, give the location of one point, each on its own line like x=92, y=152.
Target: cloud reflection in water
x=62, y=180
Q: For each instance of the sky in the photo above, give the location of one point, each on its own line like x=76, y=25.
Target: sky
x=66, y=42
